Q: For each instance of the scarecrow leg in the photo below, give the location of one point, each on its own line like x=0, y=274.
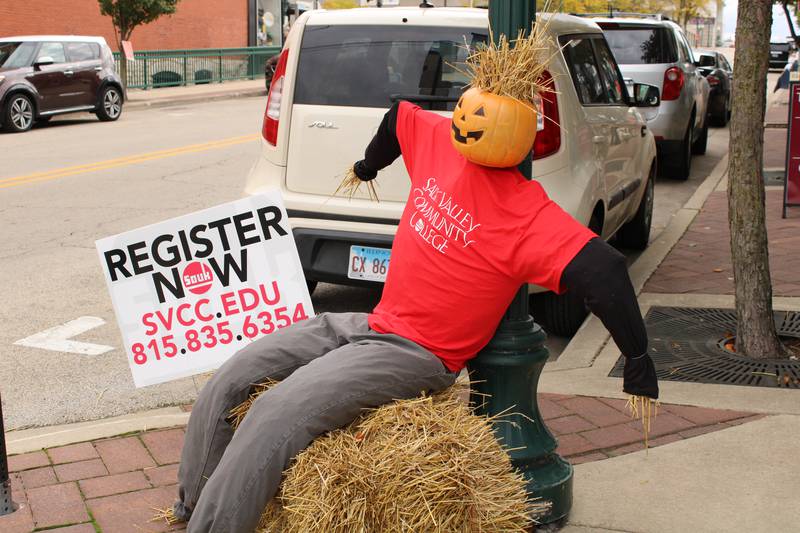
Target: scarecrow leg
x=275, y=357
x=326, y=394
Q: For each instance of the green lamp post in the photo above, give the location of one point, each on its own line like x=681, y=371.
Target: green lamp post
x=507, y=370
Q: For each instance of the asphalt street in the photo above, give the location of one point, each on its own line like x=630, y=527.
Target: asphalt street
x=65, y=184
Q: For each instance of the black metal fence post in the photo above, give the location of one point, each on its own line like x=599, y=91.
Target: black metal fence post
x=6, y=503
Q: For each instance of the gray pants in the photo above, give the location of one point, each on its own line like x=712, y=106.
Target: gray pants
x=330, y=367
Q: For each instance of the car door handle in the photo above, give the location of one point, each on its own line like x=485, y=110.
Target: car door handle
x=98, y=69
x=600, y=139
x=68, y=73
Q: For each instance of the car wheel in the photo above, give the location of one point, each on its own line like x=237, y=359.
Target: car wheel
x=311, y=284
x=636, y=232
x=110, y=105
x=699, y=146
x=18, y=114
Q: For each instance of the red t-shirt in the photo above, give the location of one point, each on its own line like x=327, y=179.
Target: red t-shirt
x=469, y=237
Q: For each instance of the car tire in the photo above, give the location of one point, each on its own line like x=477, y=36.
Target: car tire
x=679, y=166
x=559, y=314
x=719, y=117
x=311, y=284
x=635, y=233
x=699, y=146
x=109, y=105
x=19, y=113
x=562, y=314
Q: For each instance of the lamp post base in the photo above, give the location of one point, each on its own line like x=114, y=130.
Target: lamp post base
x=6, y=503
x=552, y=482
x=505, y=378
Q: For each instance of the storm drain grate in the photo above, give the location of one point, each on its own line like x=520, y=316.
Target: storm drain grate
x=687, y=344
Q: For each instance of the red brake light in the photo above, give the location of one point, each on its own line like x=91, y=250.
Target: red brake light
x=712, y=80
x=272, y=114
x=548, y=141
x=673, y=83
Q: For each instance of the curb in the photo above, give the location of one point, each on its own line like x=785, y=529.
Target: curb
x=29, y=440
x=136, y=105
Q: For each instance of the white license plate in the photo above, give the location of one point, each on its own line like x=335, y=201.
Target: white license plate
x=775, y=54
x=368, y=263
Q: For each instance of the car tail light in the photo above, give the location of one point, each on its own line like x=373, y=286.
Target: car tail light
x=548, y=140
x=712, y=80
x=272, y=115
x=673, y=83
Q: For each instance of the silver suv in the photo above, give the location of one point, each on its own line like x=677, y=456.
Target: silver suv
x=653, y=50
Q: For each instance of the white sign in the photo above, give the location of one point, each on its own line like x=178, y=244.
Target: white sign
x=191, y=291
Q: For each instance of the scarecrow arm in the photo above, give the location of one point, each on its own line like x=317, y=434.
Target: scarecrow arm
x=600, y=276
x=382, y=150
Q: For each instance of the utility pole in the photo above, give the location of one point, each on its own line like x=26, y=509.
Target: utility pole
x=506, y=372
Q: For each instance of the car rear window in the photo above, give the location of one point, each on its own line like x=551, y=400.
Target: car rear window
x=370, y=66
x=638, y=45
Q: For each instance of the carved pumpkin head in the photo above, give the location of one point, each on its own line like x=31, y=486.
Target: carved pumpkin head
x=491, y=130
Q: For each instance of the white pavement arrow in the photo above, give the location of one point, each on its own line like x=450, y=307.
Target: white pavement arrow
x=57, y=338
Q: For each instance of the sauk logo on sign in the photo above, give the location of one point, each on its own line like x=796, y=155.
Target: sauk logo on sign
x=191, y=291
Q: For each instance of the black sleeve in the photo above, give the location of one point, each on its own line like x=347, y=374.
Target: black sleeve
x=383, y=149
x=600, y=276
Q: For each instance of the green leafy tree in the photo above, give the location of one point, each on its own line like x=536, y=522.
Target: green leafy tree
x=126, y=15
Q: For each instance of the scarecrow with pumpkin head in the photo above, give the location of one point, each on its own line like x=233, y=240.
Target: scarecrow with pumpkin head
x=473, y=230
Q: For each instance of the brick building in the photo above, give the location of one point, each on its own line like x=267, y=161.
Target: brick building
x=195, y=24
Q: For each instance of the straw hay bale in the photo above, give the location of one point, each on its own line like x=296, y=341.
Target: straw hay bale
x=427, y=464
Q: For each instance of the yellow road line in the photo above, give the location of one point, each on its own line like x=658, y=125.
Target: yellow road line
x=122, y=161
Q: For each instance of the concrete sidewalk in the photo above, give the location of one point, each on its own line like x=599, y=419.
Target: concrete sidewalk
x=168, y=96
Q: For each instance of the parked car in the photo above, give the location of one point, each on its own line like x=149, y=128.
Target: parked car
x=341, y=70
x=654, y=50
x=719, y=75
x=779, y=54
x=43, y=76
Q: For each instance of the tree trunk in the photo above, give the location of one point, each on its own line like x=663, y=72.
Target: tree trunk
x=755, y=335
x=123, y=68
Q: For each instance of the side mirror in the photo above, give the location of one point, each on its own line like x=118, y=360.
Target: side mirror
x=42, y=61
x=646, y=95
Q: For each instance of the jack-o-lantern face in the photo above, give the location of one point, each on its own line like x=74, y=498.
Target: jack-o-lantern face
x=491, y=130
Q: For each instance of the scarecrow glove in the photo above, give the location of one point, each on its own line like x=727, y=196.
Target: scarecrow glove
x=363, y=171
x=639, y=377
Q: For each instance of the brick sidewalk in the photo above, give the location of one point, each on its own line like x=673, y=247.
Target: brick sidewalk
x=700, y=262
x=114, y=485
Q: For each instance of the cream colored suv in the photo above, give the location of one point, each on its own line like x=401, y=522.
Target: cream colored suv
x=341, y=70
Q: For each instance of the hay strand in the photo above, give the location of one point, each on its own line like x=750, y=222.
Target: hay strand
x=351, y=183
x=645, y=409
x=167, y=515
x=513, y=68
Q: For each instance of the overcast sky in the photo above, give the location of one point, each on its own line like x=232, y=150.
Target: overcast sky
x=780, y=30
